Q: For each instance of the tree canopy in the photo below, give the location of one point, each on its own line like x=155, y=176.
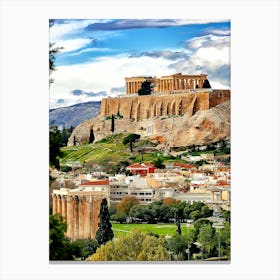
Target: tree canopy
x=131, y=138
x=206, y=84
x=126, y=204
x=134, y=246
x=59, y=245
x=145, y=89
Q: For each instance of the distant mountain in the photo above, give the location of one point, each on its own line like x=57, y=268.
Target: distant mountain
x=74, y=115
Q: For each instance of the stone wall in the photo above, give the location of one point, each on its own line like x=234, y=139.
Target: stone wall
x=178, y=119
x=149, y=106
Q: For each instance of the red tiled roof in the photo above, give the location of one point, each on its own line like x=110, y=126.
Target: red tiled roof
x=184, y=165
x=223, y=183
x=96, y=183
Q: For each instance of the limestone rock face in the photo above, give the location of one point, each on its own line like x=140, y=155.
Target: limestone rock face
x=203, y=127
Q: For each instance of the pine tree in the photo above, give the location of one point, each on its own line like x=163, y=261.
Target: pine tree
x=104, y=232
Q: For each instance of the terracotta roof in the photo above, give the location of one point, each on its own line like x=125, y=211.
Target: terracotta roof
x=223, y=183
x=96, y=183
x=184, y=165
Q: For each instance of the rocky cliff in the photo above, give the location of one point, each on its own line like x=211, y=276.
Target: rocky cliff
x=194, y=127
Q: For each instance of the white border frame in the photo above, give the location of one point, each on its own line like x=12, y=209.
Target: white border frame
x=24, y=137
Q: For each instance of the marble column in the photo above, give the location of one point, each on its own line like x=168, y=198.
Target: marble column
x=81, y=218
x=76, y=217
x=59, y=205
x=64, y=207
x=191, y=84
x=70, y=220
x=54, y=210
x=87, y=216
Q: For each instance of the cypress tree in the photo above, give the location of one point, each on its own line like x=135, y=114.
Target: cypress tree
x=113, y=124
x=91, y=136
x=104, y=232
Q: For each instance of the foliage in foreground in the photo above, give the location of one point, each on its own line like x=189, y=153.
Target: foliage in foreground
x=60, y=246
x=135, y=246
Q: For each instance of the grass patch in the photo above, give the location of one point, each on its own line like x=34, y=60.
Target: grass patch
x=110, y=149
x=160, y=229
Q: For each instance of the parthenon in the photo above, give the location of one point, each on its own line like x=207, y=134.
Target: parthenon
x=166, y=84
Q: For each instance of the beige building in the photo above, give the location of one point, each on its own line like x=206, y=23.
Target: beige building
x=144, y=194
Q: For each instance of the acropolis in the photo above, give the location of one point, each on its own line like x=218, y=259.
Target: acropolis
x=172, y=95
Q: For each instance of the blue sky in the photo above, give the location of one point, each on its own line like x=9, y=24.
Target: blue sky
x=98, y=54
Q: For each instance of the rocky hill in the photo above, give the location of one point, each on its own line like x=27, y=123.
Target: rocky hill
x=204, y=127
x=73, y=115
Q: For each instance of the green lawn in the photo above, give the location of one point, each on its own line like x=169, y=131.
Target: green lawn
x=160, y=229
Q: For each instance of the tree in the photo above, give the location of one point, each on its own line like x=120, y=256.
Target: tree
x=177, y=245
x=55, y=142
x=225, y=239
x=170, y=201
x=153, y=249
x=206, y=84
x=145, y=89
x=113, y=124
x=104, y=232
x=59, y=245
x=52, y=53
x=84, y=247
x=131, y=138
x=134, y=246
x=206, y=211
x=159, y=163
x=206, y=238
x=91, y=136
x=126, y=204
x=199, y=223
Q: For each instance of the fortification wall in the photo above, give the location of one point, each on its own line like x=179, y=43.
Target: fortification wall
x=149, y=106
x=218, y=96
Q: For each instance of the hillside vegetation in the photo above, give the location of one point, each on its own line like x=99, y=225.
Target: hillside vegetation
x=110, y=149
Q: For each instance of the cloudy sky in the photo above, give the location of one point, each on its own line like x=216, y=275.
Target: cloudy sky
x=98, y=54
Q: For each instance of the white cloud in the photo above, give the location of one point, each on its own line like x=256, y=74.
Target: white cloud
x=103, y=74
x=209, y=54
x=91, y=50
x=72, y=44
x=210, y=57
x=220, y=32
x=60, y=31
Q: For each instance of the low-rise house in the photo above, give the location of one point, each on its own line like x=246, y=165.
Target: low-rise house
x=142, y=169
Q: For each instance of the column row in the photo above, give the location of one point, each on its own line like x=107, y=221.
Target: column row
x=179, y=84
x=81, y=214
x=133, y=87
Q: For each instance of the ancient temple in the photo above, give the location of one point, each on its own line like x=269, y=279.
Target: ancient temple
x=166, y=84
x=80, y=207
